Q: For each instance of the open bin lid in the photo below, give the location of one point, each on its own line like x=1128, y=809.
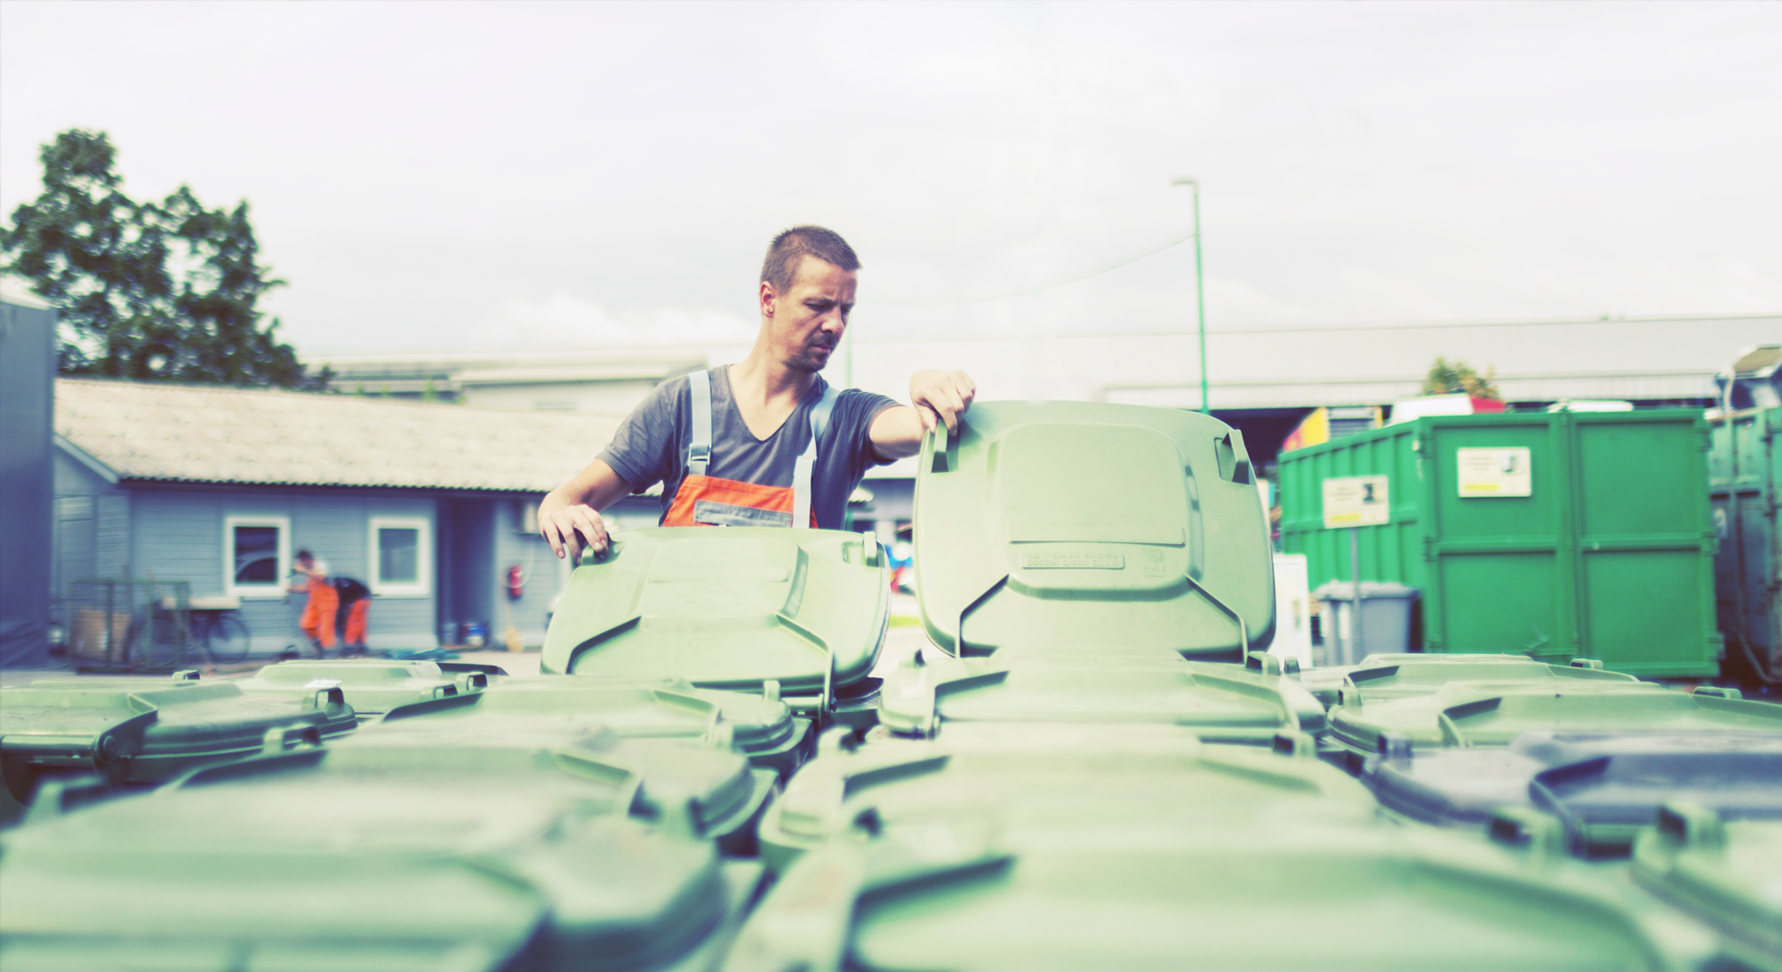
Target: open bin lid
x=1724, y=874
x=1092, y=527
x=1417, y=720
x=372, y=685
x=976, y=888
x=759, y=726
x=285, y=863
x=726, y=608
x=150, y=730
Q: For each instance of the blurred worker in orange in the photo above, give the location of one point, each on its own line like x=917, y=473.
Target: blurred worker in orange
x=324, y=601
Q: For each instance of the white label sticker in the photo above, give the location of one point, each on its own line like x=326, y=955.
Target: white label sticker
x=1495, y=472
x=1356, y=501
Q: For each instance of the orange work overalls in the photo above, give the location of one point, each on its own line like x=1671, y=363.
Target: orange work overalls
x=709, y=501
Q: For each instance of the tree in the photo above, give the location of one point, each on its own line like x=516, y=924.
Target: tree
x=146, y=290
x=1457, y=378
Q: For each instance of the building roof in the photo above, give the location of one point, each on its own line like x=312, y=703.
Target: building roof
x=206, y=434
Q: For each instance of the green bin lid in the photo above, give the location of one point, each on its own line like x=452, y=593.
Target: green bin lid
x=295, y=866
x=1726, y=874
x=974, y=888
x=1383, y=671
x=1495, y=721
x=1358, y=726
x=726, y=608
x=372, y=685
x=1222, y=702
x=1092, y=527
x=1463, y=787
x=759, y=726
x=1058, y=774
x=136, y=730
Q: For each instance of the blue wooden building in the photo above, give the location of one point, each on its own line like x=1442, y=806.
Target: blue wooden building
x=429, y=504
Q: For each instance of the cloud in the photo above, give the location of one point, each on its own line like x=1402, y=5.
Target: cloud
x=565, y=321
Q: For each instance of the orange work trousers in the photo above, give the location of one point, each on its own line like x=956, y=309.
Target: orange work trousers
x=318, y=614
x=355, y=621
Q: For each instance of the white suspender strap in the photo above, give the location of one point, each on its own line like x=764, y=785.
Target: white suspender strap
x=699, y=448
x=802, y=472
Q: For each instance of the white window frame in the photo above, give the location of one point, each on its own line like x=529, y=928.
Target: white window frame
x=264, y=591
x=422, y=585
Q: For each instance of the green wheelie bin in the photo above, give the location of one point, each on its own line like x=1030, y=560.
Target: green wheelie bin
x=400, y=851
x=733, y=609
x=1726, y=874
x=1037, y=774
x=136, y=732
x=1604, y=786
x=372, y=686
x=1050, y=869
x=760, y=726
x=1088, y=562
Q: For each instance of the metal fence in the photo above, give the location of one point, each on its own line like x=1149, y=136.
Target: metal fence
x=128, y=624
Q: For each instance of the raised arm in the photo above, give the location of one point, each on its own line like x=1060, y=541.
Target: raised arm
x=936, y=397
x=569, y=516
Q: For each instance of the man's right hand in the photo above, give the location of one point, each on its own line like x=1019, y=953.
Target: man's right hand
x=570, y=528
x=569, y=516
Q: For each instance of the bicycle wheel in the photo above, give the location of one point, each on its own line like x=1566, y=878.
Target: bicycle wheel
x=156, y=640
x=227, y=642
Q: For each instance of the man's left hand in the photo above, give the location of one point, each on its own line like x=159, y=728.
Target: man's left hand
x=941, y=396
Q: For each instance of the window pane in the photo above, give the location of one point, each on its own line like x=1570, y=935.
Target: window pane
x=398, y=555
x=256, y=555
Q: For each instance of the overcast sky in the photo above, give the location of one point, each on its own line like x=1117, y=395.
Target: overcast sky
x=450, y=176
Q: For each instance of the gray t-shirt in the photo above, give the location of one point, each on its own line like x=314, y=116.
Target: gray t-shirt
x=650, y=446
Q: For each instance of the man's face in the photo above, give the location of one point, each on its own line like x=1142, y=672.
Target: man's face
x=806, y=322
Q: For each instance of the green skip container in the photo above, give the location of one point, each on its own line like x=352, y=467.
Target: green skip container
x=732, y=608
x=146, y=731
x=395, y=853
x=1745, y=469
x=1559, y=535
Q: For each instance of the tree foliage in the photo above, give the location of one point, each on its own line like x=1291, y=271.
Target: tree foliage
x=147, y=290
x=1457, y=378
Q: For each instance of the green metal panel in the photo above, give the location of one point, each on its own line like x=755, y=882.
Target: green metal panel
x=1092, y=527
x=1608, y=557
x=726, y=608
x=1745, y=471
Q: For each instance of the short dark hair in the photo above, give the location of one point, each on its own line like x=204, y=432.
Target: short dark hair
x=784, y=252
x=304, y=555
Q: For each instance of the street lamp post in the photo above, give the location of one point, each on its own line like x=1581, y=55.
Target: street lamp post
x=1200, y=294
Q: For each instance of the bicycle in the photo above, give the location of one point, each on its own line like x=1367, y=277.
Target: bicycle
x=160, y=634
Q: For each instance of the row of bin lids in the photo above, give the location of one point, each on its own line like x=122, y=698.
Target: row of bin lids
x=401, y=849
x=1062, y=846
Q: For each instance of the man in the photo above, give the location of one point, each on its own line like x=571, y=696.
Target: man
x=764, y=441
x=324, y=601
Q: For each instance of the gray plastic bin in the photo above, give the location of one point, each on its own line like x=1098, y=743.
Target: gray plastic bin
x=1385, y=620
